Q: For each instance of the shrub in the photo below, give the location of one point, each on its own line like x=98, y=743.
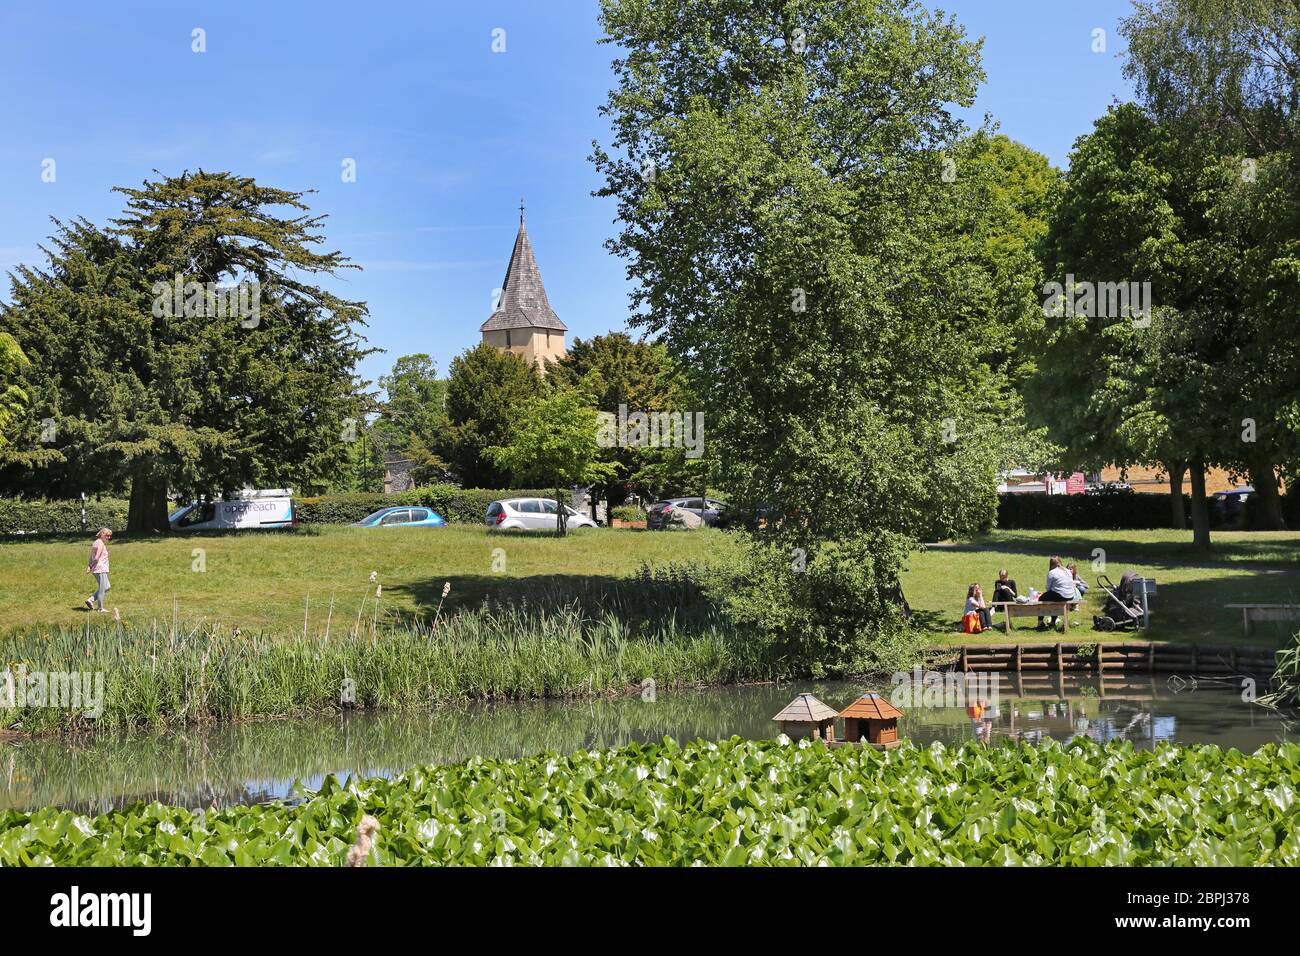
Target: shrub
x=628, y=513
x=18, y=516
x=833, y=611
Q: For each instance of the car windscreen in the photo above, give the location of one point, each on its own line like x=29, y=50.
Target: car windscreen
x=374, y=516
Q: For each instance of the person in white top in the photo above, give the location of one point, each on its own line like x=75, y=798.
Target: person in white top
x=1060, y=587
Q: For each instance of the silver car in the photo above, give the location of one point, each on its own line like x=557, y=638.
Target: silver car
x=660, y=512
x=531, y=514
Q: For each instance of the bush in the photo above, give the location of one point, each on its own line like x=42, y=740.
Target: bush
x=831, y=612
x=18, y=516
x=628, y=513
x=458, y=505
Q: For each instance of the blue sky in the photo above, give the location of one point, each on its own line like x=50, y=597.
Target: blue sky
x=446, y=134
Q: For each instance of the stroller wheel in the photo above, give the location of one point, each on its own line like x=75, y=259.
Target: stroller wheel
x=1104, y=624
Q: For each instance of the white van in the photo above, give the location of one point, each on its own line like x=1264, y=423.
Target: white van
x=252, y=509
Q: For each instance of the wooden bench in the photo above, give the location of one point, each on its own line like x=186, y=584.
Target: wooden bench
x=1014, y=609
x=1266, y=612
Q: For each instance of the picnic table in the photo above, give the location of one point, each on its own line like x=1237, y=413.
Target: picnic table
x=1014, y=609
x=1265, y=612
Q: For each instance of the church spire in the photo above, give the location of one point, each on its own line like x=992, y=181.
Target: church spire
x=523, y=303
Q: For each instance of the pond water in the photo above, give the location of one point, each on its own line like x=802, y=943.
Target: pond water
x=273, y=760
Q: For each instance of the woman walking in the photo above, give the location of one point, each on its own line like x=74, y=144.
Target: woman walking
x=98, y=566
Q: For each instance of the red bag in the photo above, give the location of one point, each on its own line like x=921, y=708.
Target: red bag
x=970, y=623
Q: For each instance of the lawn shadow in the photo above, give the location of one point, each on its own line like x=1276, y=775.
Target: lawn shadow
x=650, y=597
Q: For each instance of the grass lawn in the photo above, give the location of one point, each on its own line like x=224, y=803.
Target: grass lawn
x=272, y=580
x=1243, y=567
x=275, y=580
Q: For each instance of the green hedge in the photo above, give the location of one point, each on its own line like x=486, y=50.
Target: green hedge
x=20, y=516
x=1114, y=509
x=457, y=505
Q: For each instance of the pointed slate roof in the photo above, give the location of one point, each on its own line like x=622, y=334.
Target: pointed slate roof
x=523, y=302
x=872, y=707
x=805, y=709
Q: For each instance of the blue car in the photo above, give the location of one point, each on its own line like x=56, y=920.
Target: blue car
x=405, y=516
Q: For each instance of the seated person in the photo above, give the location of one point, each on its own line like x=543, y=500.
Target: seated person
x=1060, y=587
x=1080, y=585
x=1004, y=589
x=975, y=604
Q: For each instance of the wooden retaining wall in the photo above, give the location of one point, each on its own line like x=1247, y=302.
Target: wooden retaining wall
x=1101, y=658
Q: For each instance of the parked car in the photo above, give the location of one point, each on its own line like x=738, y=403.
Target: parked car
x=1232, y=504
x=271, y=508
x=531, y=514
x=707, y=508
x=413, y=516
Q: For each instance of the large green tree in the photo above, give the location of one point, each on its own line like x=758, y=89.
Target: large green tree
x=13, y=399
x=184, y=350
x=625, y=377
x=1221, y=78
x=487, y=389
x=553, y=443
x=788, y=213
x=413, y=419
x=1139, y=206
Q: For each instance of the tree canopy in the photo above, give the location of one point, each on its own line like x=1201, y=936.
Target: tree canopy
x=184, y=349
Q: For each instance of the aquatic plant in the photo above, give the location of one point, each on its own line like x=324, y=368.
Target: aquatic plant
x=737, y=802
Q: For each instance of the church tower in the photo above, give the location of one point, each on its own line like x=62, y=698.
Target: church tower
x=523, y=322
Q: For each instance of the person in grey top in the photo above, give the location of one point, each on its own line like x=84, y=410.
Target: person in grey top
x=1060, y=587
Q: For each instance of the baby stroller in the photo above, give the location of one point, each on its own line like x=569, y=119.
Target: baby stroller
x=1123, y=610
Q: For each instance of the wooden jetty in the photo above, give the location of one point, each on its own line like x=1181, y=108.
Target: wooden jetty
x=1102, y=659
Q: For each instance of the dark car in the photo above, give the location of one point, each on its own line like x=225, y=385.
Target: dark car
x=1232, y=505
x=707, y=508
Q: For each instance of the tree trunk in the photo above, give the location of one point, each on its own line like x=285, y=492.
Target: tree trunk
x=1200, y=513
x=561, y=518
x=895, y=594
x=147, y=511
x=1176, y=471
x=1268, y=514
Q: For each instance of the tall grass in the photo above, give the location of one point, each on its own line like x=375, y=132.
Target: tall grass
x=173, y=673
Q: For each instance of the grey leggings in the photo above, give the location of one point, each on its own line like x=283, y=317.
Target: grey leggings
x=102, y=578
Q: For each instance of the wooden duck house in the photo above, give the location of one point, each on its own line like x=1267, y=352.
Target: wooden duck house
x=871, y=720
x=806, y=716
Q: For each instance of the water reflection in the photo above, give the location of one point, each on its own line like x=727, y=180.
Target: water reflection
x=251, y=763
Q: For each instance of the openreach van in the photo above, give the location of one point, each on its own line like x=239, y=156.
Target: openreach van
x=252, y=509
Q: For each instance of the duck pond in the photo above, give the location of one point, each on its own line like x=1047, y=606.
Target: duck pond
x=276, y=760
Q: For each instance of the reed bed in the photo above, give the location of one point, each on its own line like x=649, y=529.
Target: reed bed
x=173, y=673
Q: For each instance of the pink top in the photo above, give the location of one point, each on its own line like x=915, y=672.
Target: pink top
x=98, y=557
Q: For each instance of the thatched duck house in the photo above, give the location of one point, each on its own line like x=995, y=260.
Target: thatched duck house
x=871, y=720
x=806, y=716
